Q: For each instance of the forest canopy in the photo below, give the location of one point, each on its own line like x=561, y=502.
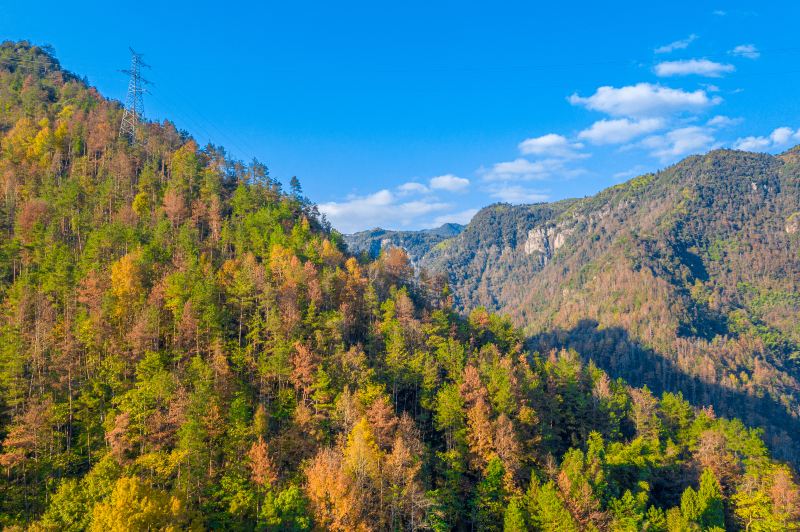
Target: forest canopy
x=186, y=345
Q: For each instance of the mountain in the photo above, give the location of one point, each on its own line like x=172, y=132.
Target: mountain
x=684, y=280
x=415, y=243
x=186, y=345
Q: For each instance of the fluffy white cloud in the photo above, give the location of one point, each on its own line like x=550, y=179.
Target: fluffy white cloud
x=779, y=138
x=748, y=51
x=644, y=99
x=783, y=135
x=518, y=194
x=752, y=144
x=449, y=182
x=412, y=187
x=383, y=208
x=524, y=170
x=552, y=152
x=551, y=145
x=723, y=121
x=686, y=67
x=678, y=142
x=619, y=130
x=518, y=168
x=676, y=45
x=410, y=205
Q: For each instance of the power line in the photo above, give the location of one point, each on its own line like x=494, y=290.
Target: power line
x=203, y=125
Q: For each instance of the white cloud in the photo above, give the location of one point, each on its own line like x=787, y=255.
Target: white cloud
x=449, y=182
x=723, y=121
x=410, y=205
x=619, y=130
x=783, y=135
x=518, y=194
x=516, y=169
x=523, y=170
x=748, y=51
x=461, y=217
x=678, y=142
x=780, y=137
x=357, y=206
x=687, y=67
x=719, y=12
x=644, y=99
x=412, y=187
x=382, y=208
x=752, y=144
x=676, y=45
x=551, y=145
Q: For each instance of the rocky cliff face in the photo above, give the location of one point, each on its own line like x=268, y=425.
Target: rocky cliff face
x=793, y=223
x=546, y=240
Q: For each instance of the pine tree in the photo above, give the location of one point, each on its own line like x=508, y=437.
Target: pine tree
x=514, y=519
x=711, y=501
x=490, y=497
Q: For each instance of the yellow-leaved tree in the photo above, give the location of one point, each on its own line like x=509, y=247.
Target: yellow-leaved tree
x=134, y=506
x=126, y=283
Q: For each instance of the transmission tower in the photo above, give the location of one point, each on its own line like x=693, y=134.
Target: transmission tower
x=134, y=103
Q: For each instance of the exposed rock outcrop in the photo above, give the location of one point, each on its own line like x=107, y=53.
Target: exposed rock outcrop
x=793, y=223
x=545, y=240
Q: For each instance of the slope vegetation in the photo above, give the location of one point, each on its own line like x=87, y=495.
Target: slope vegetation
x=685, y=280
x=415, y=243
x=184, y=345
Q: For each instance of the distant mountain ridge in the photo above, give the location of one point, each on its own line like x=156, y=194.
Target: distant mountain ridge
x=687, y=279
x=416, y=243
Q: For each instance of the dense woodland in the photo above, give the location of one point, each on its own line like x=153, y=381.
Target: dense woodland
x=687, y=280
x=186, y=345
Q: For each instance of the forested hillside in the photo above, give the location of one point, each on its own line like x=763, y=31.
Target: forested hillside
x=415, y=243
x=186, y=345
x=684, y=280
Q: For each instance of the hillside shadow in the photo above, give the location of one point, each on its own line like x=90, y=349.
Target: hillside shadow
x=613, y=350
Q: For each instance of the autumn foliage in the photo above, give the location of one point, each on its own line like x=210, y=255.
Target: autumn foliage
x=184, y=345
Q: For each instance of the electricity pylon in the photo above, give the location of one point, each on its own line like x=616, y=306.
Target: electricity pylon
x=134, y=103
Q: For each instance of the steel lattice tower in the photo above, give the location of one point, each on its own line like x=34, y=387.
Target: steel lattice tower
x=134, y=103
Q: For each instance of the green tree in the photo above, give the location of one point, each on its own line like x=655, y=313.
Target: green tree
x=449, y=415
x=490, y=497
x=547, y=510
x=514, y=519
x=711, y=501
x=286, y=511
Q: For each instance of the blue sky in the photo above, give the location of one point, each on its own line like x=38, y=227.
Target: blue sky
x=410, y=114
